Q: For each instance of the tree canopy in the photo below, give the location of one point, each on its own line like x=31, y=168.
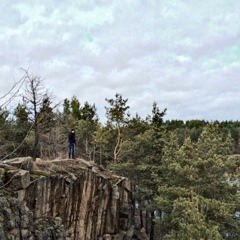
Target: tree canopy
x=186, y=174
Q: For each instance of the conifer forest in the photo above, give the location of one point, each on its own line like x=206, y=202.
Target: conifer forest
x=185, y=173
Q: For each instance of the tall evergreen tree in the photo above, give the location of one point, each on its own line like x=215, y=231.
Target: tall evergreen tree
x=195, y=196
x=144, y=166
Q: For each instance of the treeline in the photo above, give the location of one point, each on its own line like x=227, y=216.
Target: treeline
x=193, y=129
x=186, y=174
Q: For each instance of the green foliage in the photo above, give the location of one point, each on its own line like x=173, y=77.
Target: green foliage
x=190, y=221
x=21, y=113
x=100, y=140
x=118, y=117
x=4, y=113
x=136, y=126
x=196, y=124
x=116, y=113
x=84, y=120
x=66, y=107
x=89, y=113
x=174, y=124
x=157, y=116
x=195, y=197
x=186, y=174
x=84, y=139
x=75, y=108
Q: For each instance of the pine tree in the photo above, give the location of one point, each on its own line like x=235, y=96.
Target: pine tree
x=195, y=197
x=117, y=115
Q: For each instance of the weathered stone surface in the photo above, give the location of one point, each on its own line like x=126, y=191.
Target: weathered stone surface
x=65, y=199
x=18, y=179
x=141, y=234
x=2, y=175
x=25, y=163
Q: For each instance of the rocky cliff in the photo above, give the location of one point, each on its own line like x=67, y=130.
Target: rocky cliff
x=64, y=199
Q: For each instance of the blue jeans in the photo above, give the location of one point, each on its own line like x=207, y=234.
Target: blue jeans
x=71, y=152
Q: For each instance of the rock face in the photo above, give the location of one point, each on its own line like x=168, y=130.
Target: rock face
x=64, y=199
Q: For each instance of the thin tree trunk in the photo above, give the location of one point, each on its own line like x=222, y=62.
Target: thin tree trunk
x=100, y=154
x=118, y=146
x=152, y=226
x=141, y=218
x=36, y=140
x=147, y=222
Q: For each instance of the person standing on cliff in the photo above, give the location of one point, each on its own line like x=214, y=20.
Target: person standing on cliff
x=71, y=145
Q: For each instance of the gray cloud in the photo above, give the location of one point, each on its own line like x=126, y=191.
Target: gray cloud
x=177, y=53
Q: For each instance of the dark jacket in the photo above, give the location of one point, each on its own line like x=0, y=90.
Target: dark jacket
x=71, y=137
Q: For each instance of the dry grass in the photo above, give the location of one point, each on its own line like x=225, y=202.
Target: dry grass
x=59, y=166
x=67, y=167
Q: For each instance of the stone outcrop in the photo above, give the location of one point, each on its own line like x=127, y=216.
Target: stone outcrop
x=64, y=199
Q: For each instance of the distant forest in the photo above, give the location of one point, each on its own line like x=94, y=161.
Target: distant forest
x=186, y=174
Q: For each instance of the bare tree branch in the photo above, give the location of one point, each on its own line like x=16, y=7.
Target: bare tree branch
x=12, y=93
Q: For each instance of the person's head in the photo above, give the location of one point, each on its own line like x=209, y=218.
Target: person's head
x=72, y=130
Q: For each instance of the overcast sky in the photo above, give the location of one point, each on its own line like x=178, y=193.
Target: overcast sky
x=182, y=54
